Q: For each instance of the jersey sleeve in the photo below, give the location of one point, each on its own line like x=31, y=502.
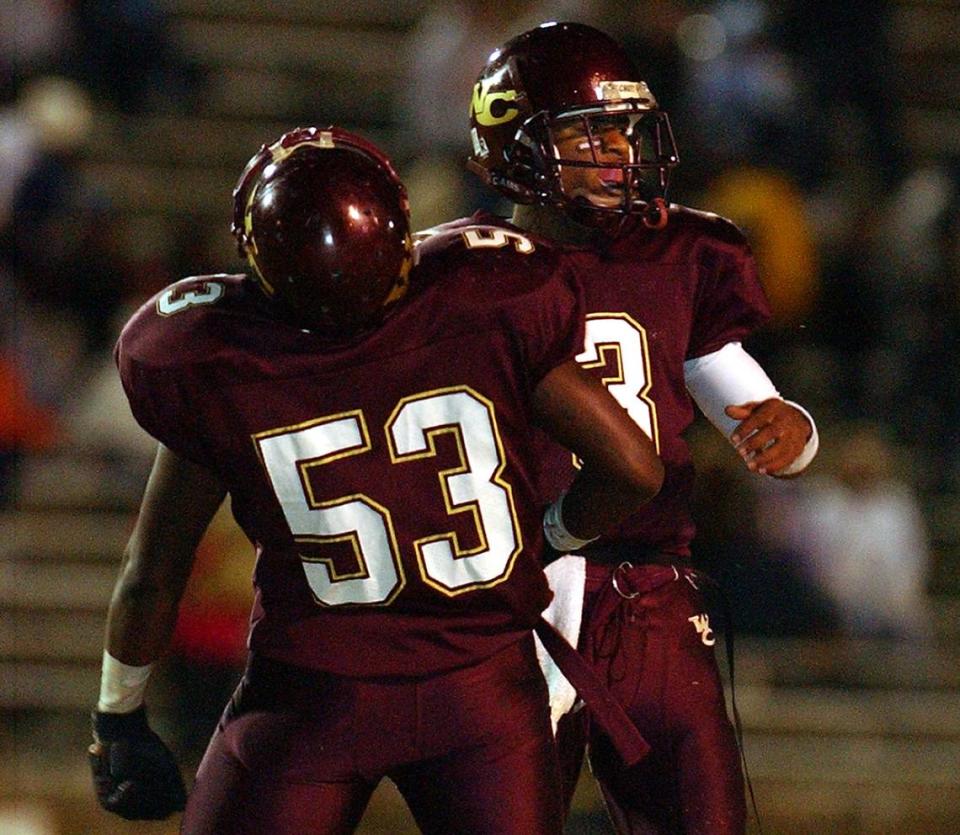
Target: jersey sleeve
x=551, y=323
x=160, y=397
x=730, y=302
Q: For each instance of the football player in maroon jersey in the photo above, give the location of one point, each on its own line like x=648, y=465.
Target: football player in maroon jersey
x=371, y=421
x=564, y=126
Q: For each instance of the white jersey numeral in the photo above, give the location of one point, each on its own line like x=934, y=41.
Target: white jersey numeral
x=175, y=299
x=475, y=487
x=617, y=340
x=492, y=237
x=288, y=457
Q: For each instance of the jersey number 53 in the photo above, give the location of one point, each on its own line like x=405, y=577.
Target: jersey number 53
x=475, y=487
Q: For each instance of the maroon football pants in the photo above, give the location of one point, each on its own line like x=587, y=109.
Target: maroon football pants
x=650, y=643
x=300, y=752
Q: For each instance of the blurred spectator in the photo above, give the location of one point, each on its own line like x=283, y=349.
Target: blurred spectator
x=746, y=99
x=848, y=62
x=858, y=530
x=34, y=35
x=50, y=118
x=39, y=350
x=57, y=243
x=771, y=211
x=127, y=55
x=891, y=313
x=911, y=272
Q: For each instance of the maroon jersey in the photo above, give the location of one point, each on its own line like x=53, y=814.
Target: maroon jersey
x=655, y=299
x=382, y=481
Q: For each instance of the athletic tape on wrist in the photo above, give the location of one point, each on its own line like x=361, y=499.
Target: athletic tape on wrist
x=121, y=685
x=556, y=532
x=799, y=464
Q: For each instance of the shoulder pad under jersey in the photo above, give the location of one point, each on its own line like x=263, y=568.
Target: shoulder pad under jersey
x=696, y=222
x=190, y=319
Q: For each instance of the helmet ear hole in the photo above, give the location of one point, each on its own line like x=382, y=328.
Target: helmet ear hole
x=521, y=163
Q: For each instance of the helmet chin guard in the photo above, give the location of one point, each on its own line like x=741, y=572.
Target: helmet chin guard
x=656, y=216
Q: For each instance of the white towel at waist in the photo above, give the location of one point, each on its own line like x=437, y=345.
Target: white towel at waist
x=567, y=579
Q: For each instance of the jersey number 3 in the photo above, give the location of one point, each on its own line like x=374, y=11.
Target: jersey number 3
x=617, y=343
x=475, y=487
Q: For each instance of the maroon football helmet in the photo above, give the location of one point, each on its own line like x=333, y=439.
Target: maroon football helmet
x=562, y=75
x=323, y=220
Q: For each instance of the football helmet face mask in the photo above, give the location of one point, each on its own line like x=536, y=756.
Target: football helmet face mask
x=548, y=102
x=323, y=220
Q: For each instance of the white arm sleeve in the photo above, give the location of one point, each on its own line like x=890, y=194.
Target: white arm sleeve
x=731, y=376
x=726, y=377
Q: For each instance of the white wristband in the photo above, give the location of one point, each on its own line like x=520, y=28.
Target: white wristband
x=799, y=464
x=121, y=686
x=556, y=532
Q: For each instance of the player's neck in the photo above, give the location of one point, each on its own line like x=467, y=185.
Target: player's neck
x=554, y=225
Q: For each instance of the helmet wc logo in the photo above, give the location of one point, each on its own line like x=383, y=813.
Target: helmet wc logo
x=491, y=107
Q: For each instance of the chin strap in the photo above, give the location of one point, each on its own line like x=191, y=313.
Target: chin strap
x=655, y=215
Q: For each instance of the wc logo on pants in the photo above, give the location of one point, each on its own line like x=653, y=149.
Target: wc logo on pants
x=702, y=624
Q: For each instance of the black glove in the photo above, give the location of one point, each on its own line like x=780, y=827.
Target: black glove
x=134, y=773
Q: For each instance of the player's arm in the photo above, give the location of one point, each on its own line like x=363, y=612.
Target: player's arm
x=774, y=436
x=134, y=773
x=179, y=501
x=621, y=469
